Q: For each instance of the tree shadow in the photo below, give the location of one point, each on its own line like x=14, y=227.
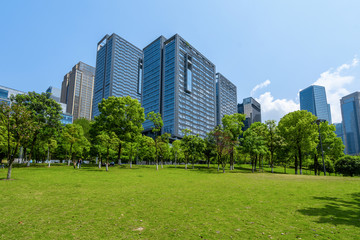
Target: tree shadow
x=337, y=211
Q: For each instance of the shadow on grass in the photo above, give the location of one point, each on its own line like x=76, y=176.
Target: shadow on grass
x=337, y=211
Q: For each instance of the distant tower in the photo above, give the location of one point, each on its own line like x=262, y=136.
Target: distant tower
x=118, y=70
x=313, y=99
x=252, y=109
x=226, y=98
x=350, y=111
x=77, y=91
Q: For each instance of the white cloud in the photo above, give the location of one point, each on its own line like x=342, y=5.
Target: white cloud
x=335, y=82
x=259, y=86
x=275, y=109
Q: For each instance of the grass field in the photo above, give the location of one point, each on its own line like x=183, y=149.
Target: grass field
x=65, y=203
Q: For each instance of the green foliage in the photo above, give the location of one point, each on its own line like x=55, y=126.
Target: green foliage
x=85, y=124
x=77, y=144
x=348, y=165
x=123, y=116
x=18, y=123
x=299, y=131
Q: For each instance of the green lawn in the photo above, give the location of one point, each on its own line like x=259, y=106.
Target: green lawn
x=140, y=203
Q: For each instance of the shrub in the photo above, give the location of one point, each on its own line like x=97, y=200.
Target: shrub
x=348, y=165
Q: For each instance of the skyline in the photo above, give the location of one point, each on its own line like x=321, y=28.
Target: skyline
x=309, y=43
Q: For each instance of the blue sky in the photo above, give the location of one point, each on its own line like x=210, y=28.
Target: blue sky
x=269, y=49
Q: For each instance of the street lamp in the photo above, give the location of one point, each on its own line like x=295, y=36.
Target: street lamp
x=322, y=152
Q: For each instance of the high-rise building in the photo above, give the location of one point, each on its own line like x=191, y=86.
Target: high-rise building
x=5, y=94
x=118, y=70
x=350, y=111
x=67, y=118
x=339, y=131
x=313, y=99
x=252, y=109
x=77, y=91
x=179, y=82
x=226, y=98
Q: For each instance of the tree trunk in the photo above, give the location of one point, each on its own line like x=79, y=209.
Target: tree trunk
x=315, y=164
x=272, y=162
x=9, y=169
x=119, y=154
x=300, y=160
x=296, y=164
x=208, y=161
x=223, y=169
x=48, y=157
x=175, y=158
x=130, y=161
x=100, y=163
x=107, y=159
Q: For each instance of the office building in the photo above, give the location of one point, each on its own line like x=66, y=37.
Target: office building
x=350, y=110
x=5, y=94
x=67, y=118
x=252, y=109
x=339, y=131
x=77, y=91
x=118, y=70
x=226, y=98
x=179, y=82
x=313, y=99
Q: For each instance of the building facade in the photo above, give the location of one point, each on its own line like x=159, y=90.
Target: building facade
x=179, y=82
x=313, y=99
x=5, y=94
x=339, y=131
x=252, y=109
x=77, y=91
x=350, y=110
x=118, y=70
x=226, y=98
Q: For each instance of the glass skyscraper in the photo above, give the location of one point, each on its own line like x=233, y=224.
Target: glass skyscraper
x=339, y=131
x=77, y=91
x=226, y=98
x=179, y=82
x=252, y=109
x=313, y=99
x=118, y=70
x=350, y=110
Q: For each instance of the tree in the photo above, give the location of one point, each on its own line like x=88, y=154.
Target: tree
x=123, y=116
x=107, y=141
x=86, y=126
x=46, y=113
x=176, y=150
x=146, y=148
x=234, y=124
x=72, y=133
x=224, y=145
x=186, y=145
x=332, y=146
x=300, y=132
x=163, y=147
x=254, y=143
x=272, y=140
x=157, y=121
x=209, y=148
x=198, y=146
x=18, y=121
